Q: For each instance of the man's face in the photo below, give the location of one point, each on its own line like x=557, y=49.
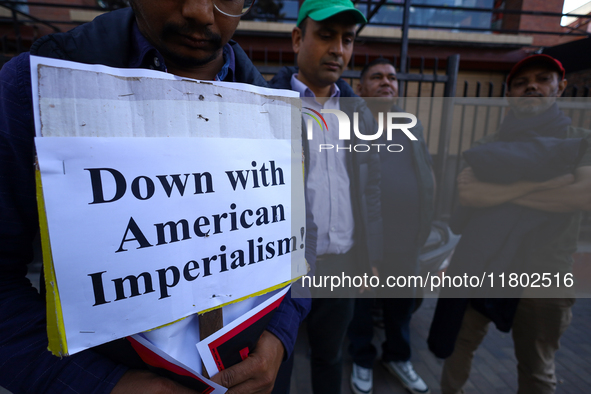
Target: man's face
x=533, y=90
x=187, y=32
x=325, y=49
x=379, y=81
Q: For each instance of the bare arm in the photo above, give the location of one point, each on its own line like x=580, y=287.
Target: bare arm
x=473, y=193
x=569, y=198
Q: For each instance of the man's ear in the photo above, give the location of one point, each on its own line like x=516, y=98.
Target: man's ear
x=296, y=39
x=561, y=86
x=358, y=89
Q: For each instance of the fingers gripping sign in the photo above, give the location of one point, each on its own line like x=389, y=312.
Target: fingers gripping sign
x=257, y=373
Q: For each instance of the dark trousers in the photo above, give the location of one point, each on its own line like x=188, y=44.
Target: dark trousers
x=283, y=380
x=327, y=325
x=397, y=314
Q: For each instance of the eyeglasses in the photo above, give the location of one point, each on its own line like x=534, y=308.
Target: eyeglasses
x=235, y=8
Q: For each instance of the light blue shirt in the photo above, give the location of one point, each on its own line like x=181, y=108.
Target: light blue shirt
x=328, y=189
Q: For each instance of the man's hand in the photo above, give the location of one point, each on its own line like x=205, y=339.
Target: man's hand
x=466, y=176
x=144, y=382
x=257, y=373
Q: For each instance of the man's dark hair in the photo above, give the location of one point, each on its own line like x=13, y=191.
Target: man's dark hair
x=379, y=60
x=302, y=26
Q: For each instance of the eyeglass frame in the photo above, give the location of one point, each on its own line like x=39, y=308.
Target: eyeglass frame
x=230, y=15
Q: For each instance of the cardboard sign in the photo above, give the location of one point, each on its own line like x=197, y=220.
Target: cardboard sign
x=161, y=197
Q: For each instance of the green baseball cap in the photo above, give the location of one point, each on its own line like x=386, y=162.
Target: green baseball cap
x=320, y=10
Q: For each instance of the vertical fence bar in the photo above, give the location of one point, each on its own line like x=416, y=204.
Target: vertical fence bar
x=453, y=63
x=574, y=92
x=422, y=71
x=407, y=68
x=460, y=141
x=476, y=107
x=404, y=41
x=487, y=117
x=433, y=85
x=501, y=111
x=586, y=94
x=17, y=32
x=404, y=44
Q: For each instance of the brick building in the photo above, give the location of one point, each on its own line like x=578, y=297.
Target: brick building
x=485, y=33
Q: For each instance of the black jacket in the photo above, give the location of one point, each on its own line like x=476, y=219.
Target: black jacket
x=499, y=239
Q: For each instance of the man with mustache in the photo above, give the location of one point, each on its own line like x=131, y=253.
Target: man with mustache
x=407, y=192
x=537, y=323
x=342, y=185
x=189, y=39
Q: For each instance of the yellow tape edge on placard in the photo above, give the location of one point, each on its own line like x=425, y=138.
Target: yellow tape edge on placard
x=265, y=291
x=56, y=332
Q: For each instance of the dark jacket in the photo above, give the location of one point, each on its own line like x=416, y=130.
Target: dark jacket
x=500, y=239
x=25, y=362
x=363, y=169
x=424, y=172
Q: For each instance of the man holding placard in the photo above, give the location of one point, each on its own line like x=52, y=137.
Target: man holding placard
x=185, y=38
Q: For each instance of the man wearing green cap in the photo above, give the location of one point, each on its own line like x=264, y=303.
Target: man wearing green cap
x=342, y=186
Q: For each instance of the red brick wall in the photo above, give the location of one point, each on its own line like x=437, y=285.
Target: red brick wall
x=543, y=23
x=512, y=21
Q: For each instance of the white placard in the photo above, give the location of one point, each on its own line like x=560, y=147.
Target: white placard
x=164, y=197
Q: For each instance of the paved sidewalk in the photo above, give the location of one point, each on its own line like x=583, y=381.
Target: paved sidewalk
x=494, y=368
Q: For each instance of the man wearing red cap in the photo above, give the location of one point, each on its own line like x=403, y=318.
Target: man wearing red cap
x=537, y=323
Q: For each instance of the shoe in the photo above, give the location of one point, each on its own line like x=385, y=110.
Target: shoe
x=361, y=380
x=404, y=371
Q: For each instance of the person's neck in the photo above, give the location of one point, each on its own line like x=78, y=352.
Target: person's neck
x=206, y=72
x=322, y=93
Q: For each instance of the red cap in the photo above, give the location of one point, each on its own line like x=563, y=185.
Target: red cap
x=540, y=59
